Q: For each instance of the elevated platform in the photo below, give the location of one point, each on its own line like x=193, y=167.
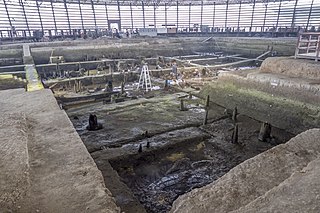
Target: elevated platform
x=33, y=80
x=44, y=165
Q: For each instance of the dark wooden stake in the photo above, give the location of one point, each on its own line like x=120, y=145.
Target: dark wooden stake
x=182, y=108
x=234, y=115
x=207, y=101
x=140, y=148
x=122, y=87
x=265, y=132
x=234, y=138
x=205, y=121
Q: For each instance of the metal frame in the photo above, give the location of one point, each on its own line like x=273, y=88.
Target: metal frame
x=182, y=10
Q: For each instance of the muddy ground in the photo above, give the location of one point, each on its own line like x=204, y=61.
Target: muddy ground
x=11, y=83
x=178, y=152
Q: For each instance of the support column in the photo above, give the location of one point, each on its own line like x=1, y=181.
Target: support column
x=214, y=16
x=38, y=7
x=81, y=15
x=154, y=16
x=253, y=7
x=294, y=14
x=119, y=15
x=25, y=16
x=7, y=11
x=54, y=17
x=238, y=27
x=143, y=15
x=278, y=15
x=131, y=16
x=165, y=16
x=66, y=8
x=201, y=16
x=189, y=16
x=226, y=21
x=107, y=16
x=177, y=15
x=310, y=11
x=94, y=15
x=265, y=16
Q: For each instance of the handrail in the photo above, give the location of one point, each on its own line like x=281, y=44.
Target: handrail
x=308, y=46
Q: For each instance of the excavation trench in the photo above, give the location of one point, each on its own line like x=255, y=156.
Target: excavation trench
x=150, y=150
x=175, y=156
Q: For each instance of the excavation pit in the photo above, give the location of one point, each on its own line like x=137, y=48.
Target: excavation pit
x=174, y=156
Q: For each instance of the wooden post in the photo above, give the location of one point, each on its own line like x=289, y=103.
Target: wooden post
x=205, y=121
x=122, y=87
x=265, y=132
x=190, y=95
x=208, y=101
x=112, y=99
x=140, y=148
x=234, y=115
x=182, y=108
x=234, y=138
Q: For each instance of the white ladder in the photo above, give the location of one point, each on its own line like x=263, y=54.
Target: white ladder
x=145, y=80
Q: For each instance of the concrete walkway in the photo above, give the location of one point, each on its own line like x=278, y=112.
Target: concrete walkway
x=44, y=166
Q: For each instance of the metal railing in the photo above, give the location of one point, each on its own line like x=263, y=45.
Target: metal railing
x=308, y=46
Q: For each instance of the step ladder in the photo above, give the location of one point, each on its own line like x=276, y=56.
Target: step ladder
x=145, y=80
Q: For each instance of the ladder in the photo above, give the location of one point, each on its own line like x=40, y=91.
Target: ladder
x=145, y=80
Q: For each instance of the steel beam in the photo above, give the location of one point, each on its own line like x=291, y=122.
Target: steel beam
x=131, y=15
x=7, y=11
x=265, y=16
x=294, y=14
x=143, y=15
x=94, y=15
x=239, y=16
x=165, y=15
x=38, y=7
x=107, y=16
x=154, y=16
x=67, y=12
x=81, y=15
x=310, y=11
x=226, y=20
x=25, y=16
x=189, y=16
x=278, y=15
x=214, y=15
x=119, y=15
x=54, y=17
x=177, y=15
x=252, y=15
x=201, y=15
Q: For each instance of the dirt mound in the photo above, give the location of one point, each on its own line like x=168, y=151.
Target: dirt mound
x=292, y=67
x=14, y=175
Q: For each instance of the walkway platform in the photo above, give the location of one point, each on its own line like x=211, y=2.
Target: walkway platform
x=33, y=79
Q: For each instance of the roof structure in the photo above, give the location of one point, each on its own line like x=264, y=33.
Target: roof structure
x=163, y=2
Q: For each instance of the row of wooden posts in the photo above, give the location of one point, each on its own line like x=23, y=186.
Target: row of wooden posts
x=264, y=133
